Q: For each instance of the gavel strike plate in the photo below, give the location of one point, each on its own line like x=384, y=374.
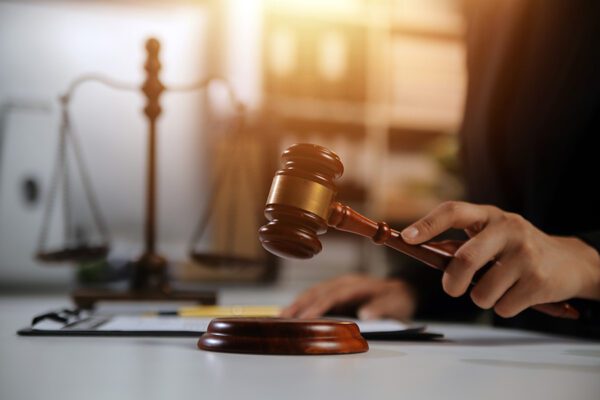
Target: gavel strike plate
x=283, y=336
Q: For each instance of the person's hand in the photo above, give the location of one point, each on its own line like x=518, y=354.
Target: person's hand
x=530, y=266
x=371, y=298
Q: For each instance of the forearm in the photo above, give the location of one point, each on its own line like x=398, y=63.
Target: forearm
x=590, y=249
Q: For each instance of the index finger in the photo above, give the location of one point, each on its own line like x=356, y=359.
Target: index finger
x=451, y=214
x=314, y=293
x=302, y=301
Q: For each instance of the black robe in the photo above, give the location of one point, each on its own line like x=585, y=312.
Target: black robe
x=530, y=138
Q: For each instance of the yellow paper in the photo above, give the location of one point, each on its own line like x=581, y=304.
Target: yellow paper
x=229, y=311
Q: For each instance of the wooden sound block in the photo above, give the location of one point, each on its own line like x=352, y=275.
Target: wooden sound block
x=283, y=336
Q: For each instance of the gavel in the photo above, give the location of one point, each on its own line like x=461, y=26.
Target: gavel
x=302, y=205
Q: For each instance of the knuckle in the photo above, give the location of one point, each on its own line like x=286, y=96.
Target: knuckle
x=325, y=304
x=505, y=219
x=450, y=207
x=451, y=288
x=503, y=310
x=395, y=285
x=304, y=299
x=467, y=257
x=527, y=251
x=453, y=291
x=313, y=292
x=536, y=277
x=515, y=221
x=480, y=298
x=492, y=210
x=427, y=225
x=349, y=278
x=339, y=296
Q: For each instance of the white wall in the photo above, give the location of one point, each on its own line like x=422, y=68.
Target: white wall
x=45, y=45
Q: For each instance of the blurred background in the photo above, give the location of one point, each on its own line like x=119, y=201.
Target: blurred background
x=380, y=82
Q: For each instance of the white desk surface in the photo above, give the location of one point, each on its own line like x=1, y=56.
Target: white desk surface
x=475, y=363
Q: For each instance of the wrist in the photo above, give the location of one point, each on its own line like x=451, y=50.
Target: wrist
x=590, y=262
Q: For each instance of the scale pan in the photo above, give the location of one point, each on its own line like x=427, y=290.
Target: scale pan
x=79, y=253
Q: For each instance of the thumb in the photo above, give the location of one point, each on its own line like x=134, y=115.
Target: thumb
x=388, y=305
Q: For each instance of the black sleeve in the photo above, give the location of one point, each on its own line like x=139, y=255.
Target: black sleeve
x=591, y=238
x=432, y=302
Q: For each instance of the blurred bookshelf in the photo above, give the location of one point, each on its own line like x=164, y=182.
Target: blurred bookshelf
x=380, y=82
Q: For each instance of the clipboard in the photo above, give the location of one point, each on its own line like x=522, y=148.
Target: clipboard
x=68, y=322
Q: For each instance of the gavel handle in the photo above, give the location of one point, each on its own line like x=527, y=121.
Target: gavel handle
x=434, y=254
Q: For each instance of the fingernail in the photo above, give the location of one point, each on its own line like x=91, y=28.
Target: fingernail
x=410, y=233
x=365, y=315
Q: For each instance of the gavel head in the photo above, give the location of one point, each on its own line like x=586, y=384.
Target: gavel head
x=299, y=203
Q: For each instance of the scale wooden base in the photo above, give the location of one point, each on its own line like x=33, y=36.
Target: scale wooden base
x=148, y=282
x=283, y=336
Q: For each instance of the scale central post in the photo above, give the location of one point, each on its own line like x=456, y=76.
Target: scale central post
x=152, y=88
x=149, y=271
x=149, y=278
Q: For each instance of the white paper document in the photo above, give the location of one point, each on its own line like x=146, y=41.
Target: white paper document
x=131, y=323
x=141, y=323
